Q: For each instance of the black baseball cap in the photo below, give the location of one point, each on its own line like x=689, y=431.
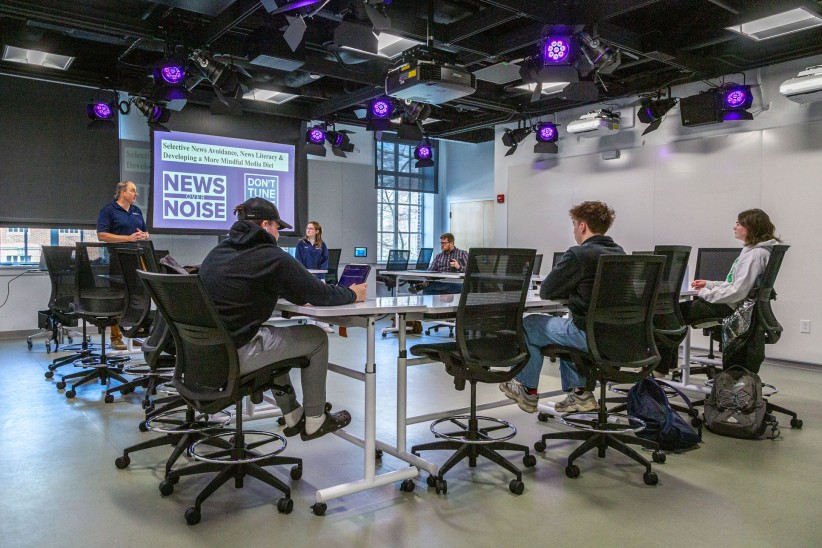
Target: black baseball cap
x=260, y=209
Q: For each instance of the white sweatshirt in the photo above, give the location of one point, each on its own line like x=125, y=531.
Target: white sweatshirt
x=745, y=274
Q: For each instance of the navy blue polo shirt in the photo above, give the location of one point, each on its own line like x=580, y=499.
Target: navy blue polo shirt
x=116, y=220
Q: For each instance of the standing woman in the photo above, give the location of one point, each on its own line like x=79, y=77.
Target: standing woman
x=313, y=254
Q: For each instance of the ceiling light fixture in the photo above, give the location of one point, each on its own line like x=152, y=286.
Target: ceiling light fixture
x=736, y=100
x=547, y=135
x=39, y=58
x=379, y=114
x=779, y=24
x=314, y=141
x=653, y=111
x=155, y=114
x=513, y=137
x=223, y=78
x=340, y=143
x=424, y=154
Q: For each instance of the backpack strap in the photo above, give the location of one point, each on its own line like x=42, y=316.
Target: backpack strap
x=669, y=413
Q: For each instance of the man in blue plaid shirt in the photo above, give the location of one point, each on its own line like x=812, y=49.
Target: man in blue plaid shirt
x=450, y=259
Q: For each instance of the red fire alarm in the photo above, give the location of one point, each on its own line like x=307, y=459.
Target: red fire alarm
x=500, y=198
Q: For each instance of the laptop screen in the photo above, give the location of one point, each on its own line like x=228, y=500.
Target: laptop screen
x=354, y=274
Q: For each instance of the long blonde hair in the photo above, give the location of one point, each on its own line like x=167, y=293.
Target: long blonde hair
x=318, y=236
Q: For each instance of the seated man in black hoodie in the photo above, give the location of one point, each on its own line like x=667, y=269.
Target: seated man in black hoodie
x=572, y=279
x=244, y=276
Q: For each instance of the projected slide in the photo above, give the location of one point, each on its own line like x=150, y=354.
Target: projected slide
x=199, y=179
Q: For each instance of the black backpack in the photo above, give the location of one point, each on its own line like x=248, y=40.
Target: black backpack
x=736, y=407
x=648, y=402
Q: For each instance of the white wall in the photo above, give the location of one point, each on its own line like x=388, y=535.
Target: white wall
x=685, y=186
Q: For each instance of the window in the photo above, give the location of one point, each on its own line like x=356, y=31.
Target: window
x=22, y=245
x=400, y=188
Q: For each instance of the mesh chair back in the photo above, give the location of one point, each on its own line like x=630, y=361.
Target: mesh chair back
x=137, y=314
x=100, y=287
x=61, y=266
x=149, y=256
x=398, y=259
x=714, y=263
x=489, y=317
x=333, y=266
x=557, y=256
x=620, y=315
x=668, y=321
x=424, y=258
x=207, y=369
x=764, y=312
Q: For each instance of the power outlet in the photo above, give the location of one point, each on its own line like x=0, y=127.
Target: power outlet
x=804, y=326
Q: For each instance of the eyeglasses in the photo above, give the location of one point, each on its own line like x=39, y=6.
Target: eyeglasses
x=444, y=243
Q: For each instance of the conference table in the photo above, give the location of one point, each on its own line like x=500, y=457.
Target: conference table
x=365, y=314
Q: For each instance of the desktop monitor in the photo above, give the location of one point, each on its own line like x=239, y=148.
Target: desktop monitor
x=714, y=263
x=361, y=252
x=557, y=256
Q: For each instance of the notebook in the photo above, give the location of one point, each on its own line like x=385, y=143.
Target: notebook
x=354, y=274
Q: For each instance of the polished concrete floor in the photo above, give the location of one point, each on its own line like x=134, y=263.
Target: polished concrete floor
x=60, y=486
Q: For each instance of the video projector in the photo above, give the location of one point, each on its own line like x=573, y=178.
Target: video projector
x=429, y=81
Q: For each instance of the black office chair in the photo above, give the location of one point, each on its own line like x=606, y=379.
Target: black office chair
x=137, y=320
x=397, y=260
x=490, y=347
x=207, y=376
x=331, y=277
x=621, y=349
x=424, y=258
x=100, y=299
x=61, y=268
x=764, y=329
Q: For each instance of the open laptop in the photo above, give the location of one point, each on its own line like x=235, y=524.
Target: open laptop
x=354, y=274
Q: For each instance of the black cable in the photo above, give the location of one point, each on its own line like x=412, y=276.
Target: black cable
x=8, y=285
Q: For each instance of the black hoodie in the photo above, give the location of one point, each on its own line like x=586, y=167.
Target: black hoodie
x=573, y=277
x=246, y=274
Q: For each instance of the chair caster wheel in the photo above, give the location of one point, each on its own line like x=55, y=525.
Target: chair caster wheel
x=796, y=423
x=543, y=417
x=70, y=394
x=572, y=471
x=383, y=335
x=319, y=508
x=529, y=461
x=296, y=473
x=431, y=481
x=109, y=398
x=441, y=486
x=49, y=374
x=192, y=516
x=407, y=486
x=650, y=478
x=378, y=454
x=540, y=446
x=122, y=462
x=166, y=488
x=658, y=456
x=285, y=505
x=60, y=385
x=142, y=426
x=281, y=421
x=516, y=487
x=29, y=344
x=428, y=332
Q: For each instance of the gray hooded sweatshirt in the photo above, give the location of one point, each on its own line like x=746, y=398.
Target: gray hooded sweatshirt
x=745, y=274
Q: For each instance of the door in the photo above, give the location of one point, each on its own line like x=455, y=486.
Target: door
x=472, y=223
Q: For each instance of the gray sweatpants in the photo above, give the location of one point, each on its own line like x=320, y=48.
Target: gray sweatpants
x=273, y=344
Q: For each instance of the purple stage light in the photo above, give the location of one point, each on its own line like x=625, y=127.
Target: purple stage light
x=172, y=74
x=316, y=136
x=546, y=132
x=738, y=97
x=381, y=108
x=102, y=111
x=556, y=50
x=422, y=152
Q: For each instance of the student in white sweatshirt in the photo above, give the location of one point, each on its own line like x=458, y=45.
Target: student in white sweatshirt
x=718, y=299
